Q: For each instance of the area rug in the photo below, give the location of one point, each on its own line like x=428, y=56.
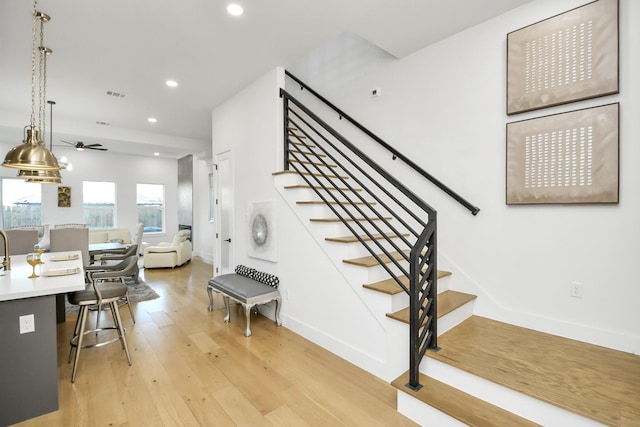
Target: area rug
x=137, y=293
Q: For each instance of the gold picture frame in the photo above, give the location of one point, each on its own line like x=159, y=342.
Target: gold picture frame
x=565, y=58
x=569, y=157
x=64, y=197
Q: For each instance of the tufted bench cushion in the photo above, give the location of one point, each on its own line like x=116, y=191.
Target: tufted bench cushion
x=245, y=291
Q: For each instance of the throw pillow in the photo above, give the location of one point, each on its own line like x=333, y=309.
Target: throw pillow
x=266, y=278
x=245, y=271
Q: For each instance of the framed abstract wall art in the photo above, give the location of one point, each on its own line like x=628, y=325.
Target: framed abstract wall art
x=570, y=157
x=565, y=58
x=262, y=230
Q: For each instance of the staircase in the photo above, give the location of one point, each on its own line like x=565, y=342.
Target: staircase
x=486, y=373
x=477, y=371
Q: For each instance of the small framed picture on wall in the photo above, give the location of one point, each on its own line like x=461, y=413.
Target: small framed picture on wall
x=64, y=197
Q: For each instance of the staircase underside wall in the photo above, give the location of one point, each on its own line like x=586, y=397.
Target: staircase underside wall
x=319, y=303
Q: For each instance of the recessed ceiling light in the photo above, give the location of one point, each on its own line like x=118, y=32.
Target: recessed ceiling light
x=156, y=154
x=171, y=83
x=235, y=9
x=152, y=120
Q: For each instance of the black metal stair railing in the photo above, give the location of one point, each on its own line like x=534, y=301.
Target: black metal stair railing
x=396, y=154
x=395, y=226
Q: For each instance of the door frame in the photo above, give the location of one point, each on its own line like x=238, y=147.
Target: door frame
x=228, y=156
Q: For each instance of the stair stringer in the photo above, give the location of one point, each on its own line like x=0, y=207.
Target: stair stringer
x=317, y=302
x=390, y=336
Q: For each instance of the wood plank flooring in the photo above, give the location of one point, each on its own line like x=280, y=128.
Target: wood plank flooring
x=191, y=369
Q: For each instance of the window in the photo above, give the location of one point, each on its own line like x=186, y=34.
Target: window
x=99, y=202
x=21, y=203
x=150, y=201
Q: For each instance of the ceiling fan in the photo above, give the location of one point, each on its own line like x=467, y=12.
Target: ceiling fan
x=79, y=145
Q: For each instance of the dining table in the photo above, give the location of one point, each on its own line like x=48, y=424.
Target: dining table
x=103, y=248
x=28, y=332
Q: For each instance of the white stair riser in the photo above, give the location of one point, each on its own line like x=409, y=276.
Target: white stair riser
x=525, y=406
x=424, y=414
x=454, y=318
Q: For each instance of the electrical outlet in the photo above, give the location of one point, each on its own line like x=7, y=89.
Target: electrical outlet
x=27, y=324
x=375, y=93
x=575, y=290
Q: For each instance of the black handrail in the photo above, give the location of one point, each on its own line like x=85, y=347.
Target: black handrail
x=473, y=209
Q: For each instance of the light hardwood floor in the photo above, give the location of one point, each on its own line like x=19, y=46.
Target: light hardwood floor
x=191, y=369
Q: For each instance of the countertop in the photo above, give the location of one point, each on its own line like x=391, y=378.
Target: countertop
x=15, y=284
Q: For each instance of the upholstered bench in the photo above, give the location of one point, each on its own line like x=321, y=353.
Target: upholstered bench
x=246, y=291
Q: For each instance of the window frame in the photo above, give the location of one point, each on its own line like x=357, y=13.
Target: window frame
x=162, y=205
x=23, y=223
x=85, y=204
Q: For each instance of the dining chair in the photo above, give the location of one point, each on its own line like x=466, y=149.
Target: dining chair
x=71, y=239
x=113, y=259
x=21, y=241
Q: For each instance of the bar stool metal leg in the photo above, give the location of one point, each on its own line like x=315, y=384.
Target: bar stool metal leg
x=83, y=316
x=121, y=331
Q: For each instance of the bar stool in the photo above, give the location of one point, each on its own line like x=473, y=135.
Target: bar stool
x=125, y=268
x=104, y=287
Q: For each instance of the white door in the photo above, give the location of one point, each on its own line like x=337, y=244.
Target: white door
x=225, y=213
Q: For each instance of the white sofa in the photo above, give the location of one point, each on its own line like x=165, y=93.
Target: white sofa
x=106, y=235
x=169, y=255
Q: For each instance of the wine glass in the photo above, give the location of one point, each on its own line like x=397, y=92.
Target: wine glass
x=34, y=259
x=38, y=250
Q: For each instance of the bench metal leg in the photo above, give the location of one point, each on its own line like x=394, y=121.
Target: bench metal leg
x=227, y=318
x=247, y=315
x=278, y=321
x=210, y=292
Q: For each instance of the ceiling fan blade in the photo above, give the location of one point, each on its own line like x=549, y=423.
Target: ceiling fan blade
x=67, y=142
x=92, y=145
x=96, y=148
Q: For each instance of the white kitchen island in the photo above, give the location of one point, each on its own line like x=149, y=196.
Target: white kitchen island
x=28, y=360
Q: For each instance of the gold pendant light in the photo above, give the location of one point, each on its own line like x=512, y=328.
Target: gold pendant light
x=32, y=154
x=46, y=176
x=41, y=177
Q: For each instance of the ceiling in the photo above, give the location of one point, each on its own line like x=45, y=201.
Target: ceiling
x=133, y=47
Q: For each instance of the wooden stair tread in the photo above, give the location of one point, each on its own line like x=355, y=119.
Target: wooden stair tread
x=354, y=239
x=593, y=381
x=391, y=287
x=302, y=144
x=462, y=406
x=293, y=172
x=318, y=187
x=304, y=162
x=308, y=153
x=370, y=261
x=447, y=302
x=332, y=202
x=388, y=218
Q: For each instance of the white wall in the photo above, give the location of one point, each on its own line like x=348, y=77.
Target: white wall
x=125, y=171
x=317, y=301
x=444, y=106
x=249, y=125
